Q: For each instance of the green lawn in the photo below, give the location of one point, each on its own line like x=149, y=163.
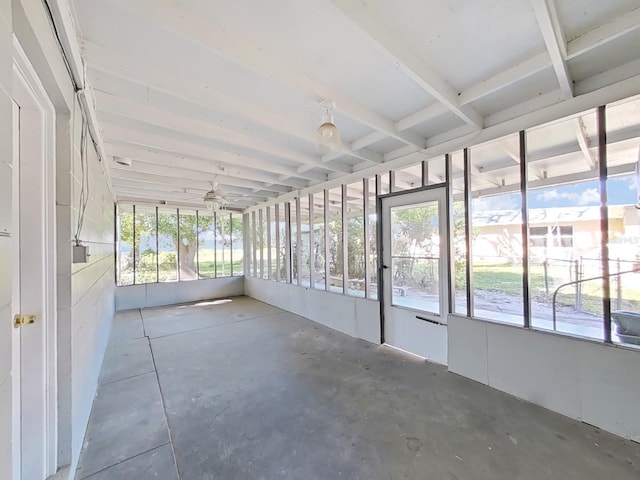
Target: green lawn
x=167, y=267
x=508, y=279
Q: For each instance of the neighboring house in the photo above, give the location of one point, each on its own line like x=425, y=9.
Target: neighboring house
x=562, y=233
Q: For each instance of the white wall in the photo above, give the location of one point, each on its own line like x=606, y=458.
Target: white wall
x=5, y=239
x=85, y=292
x=357, y=317
x=585, y=380
x=157, y=294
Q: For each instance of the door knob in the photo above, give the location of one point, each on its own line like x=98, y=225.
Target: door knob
x=20, y=320
x=385, y=266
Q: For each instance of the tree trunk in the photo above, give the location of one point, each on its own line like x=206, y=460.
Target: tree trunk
x=188, y=270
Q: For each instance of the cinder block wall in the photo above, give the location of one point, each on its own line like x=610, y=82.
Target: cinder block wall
x=85, y=292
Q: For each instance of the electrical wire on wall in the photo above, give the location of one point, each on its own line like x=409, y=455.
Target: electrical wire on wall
x=84, y=181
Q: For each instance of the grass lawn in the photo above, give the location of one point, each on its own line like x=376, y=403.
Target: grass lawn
x=507, y=279
x=167, y=266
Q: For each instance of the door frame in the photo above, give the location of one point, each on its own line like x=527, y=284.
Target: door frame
x=26, y=80
x=445, y=251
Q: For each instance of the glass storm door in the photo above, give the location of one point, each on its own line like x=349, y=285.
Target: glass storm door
x=415, y=275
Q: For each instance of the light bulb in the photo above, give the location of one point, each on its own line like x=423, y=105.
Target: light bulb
x=328, y=136
x=326, y=130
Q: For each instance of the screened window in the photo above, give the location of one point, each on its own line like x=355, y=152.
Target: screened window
x=305, y=245
x=355, y=240
x=124, y=247
x=146, y=248
x=496, y=207
x=318, y=247
x=206, y=246
x=223, y=244
x=168, y=245
x=188, y=245
x=293, y=235
x=236, y=234
x=336, y=252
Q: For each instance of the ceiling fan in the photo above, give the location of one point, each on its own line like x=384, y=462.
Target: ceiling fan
x=214, y=199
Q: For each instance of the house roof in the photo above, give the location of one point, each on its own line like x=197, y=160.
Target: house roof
x=545, y=216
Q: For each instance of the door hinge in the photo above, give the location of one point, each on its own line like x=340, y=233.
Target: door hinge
x=20, y=320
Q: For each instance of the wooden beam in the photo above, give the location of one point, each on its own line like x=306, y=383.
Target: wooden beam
x=225, y=43
x=238, y=164
x=367, y=140
x=194, y=190
x=421, y=116
x=603, y=34
x=549, y=24
x=213, y=133
x=512, y=148
x=176, y=96
x=583, y=141
x=505, y=78
x=182, y=177
x=406, y=59
x=152, y=192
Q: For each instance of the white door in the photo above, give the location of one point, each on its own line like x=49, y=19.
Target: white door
x=33, y=298
x=415, y=272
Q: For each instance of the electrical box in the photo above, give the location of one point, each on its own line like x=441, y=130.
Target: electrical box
x=80, y=254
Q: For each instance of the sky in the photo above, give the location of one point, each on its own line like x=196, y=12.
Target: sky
x=620, y=191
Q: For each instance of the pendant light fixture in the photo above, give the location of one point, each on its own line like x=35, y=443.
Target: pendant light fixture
x=328, y=135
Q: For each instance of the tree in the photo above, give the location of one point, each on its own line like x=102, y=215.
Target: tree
x=185, y=245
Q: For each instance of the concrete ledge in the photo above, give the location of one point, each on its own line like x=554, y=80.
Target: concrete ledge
x=585, y=380
x=354, y=316
x=158, y=294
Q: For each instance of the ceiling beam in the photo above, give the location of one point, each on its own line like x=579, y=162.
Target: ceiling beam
x=145, y=162
x=209, y=157
x=583, y=141
x=431, y=176
x=153, y=191
x=238, y=164
x=404, y=57
x=367, y=140
x=222, y=42
x=505, y=78
x=547, y=18
x=421, y=116
x=193, y=189
x=146, y=83
x=512, y=149
x=603, y=34
x=556, y=181
x=363, y=154
x=568, y=148
x=213, y=133
x=112, y=65
x=163, y=176
x=591, y=40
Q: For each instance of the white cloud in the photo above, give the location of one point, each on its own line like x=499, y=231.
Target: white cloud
x=632, y=183
x=589, y=196
x=500, y=202
x=550, y=195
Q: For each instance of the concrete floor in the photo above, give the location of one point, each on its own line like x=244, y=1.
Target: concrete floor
x=239, y=389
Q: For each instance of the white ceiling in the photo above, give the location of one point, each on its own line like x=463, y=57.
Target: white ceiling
x=196, y=91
